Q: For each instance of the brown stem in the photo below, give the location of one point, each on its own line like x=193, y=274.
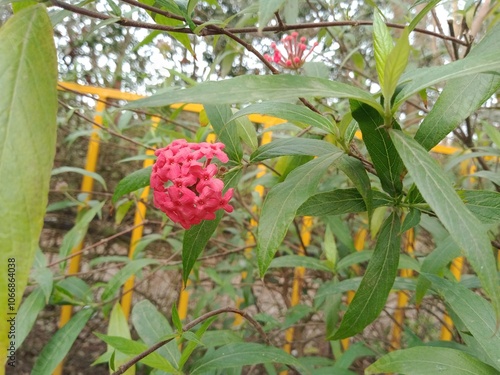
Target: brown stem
x=189, y=326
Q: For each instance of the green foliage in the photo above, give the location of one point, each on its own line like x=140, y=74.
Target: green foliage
x=27, y=148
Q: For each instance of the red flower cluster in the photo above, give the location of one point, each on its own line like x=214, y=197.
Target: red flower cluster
x=295, y=49
x=186, y=189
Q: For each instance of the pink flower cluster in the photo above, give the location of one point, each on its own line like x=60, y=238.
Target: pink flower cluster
x=185, y=188
x=293, y=58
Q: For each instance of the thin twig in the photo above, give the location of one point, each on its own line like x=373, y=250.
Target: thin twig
x=189, y=326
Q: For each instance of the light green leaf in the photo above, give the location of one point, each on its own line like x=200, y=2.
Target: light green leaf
x=434, y=263
x=196, y=340
x=133, y=348
x=266, y=11
x=293, y=146
x=45, y=279
x=464, y=228
x=340, y=201
x=134, y=181
x=452, y=107
x=226, y=130
x=249, y=88
x=281, y=204
x=489, y=175
x=492, y=132
x=118, y=326
x=28, y=110
x=27, y=313
x=485, y=205
x=151, y=327
x=474, y=316
x=82, y=171
x=382, y=44
x=289, y=112
x=243, y=354
x=377, y=282
x=60, y=343
x=395, y=65
x=73, y=290
x=380, y=147
x=419, y=79
x=299, y=261
x=247, y=132
x=121, y=276
x=426, y=360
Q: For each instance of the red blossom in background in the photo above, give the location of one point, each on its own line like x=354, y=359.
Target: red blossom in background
x=185, y=188
x=295, y=55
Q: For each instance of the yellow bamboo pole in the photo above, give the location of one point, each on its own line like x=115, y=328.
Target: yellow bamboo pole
x=359, y=244
x=399, y=314
x=86, y=187
x=298, y=279
x=139, y=217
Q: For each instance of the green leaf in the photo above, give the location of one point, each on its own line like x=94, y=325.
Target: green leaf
x=27, y=313
x=243, y=354
x=426, y=360
x=248, y=88
x=133, y=348
x=81, y=171
x=293, y=146
x=434, y=263
x=75, y=289
x=118, y=326
x=121, y=276
x=452, y=107
x=395, y=65
x=377, y=282
x=430, y=5
x=384, y=156
x=340, y=201
x=266, y=11
x=226, y=130
x=299, y=261
x=464, y=228
x=78, y=232
x=382, y=44
x=152, y=327
x=60, y=343
x=485, y=205
x=28, y=110
x=411, y=220
x=176, y=320
x=195, y=341
x=289, y=112
x=247, y=132
x=419, y=79
x=356, y=172
x=196, y=238
x=474, y=317
x=134, y=181
x=492, y=132
x=281, y=204
x=489, y=175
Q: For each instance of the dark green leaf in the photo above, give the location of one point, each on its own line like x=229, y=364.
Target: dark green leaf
x=60, y=343
x=425, y=360
x=377, y=282
x=293, y=146
x=249, y=88
x=281, y=205
x=385, y=158
x=340, y=201
x=289, y=112
x=412, y=219
x=134, y=181
x=464, y=228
